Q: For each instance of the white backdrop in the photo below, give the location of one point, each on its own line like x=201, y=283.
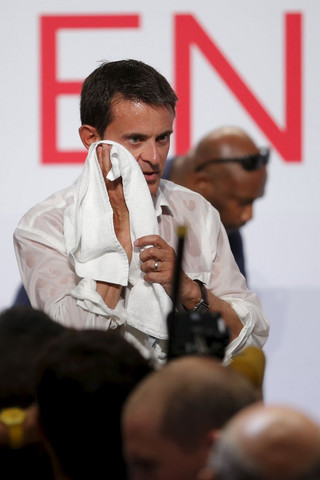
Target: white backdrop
x=281, y=241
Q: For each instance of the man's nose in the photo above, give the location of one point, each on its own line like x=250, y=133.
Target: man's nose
x=149, y=153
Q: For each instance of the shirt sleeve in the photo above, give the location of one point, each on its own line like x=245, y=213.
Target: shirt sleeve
x=50, y=280
x=208, y=257
x=229, y=284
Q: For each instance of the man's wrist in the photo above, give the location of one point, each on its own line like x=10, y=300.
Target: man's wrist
x=197, y=299
x=203, y=305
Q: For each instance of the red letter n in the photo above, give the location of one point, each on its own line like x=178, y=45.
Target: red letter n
x=287, y=140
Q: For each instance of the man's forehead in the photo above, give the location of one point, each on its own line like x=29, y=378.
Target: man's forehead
x=136, y=102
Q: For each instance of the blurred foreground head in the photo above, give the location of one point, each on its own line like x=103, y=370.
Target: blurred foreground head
x=83, y=381
x=24, y=335
x=170, y=420
x=266, y=443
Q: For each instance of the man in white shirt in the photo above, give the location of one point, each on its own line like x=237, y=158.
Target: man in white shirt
x=130, y=103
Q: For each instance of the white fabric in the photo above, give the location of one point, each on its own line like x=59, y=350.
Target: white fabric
x=92, y=245
x=52, y=284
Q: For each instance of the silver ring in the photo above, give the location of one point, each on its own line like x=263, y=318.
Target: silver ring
x=156, y=265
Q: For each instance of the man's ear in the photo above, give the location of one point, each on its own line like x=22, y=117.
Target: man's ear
x=32, y=425
x=202, y=183
x=212, y=436
x=206, y=472
x=88, y=135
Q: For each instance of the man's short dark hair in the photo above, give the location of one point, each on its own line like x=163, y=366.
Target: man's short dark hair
x=24, y=333
x=83, y=381
x=128, y=79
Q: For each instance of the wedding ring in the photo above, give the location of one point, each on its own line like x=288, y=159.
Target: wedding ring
x=156, y=265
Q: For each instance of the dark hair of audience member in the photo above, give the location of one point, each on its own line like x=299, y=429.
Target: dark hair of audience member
x=83, y=381
x=24, y=333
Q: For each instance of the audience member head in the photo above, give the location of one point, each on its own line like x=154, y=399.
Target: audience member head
x=266, y=443
x=130, y=80
x=24, y=334
x=170, y=420
x=83, y=380
x=229, y=170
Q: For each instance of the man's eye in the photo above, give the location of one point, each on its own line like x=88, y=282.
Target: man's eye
x=134, y=140
x=163, y=138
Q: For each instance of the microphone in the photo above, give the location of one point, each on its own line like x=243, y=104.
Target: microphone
x=189, y=332
x=251, y=363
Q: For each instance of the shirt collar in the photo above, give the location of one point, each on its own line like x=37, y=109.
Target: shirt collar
x=161, y=204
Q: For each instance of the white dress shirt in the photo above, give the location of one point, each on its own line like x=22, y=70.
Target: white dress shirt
x=53, y=286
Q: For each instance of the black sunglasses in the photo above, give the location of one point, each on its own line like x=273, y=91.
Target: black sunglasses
x=249, y=162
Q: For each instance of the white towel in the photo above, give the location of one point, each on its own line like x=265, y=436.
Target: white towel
x=92, y=245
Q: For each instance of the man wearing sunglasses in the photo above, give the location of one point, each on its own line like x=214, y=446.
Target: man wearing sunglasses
x=229, y=170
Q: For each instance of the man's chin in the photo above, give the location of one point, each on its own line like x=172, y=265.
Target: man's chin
x=153, y=188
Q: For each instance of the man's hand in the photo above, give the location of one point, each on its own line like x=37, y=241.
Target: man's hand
x=117, y=200
x=158, y=260
x=158, y=265
x=108, y=291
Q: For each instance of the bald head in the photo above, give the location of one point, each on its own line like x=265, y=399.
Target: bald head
x=226, y=185
x=269, y=443
x=184, y=384
x=168, y=419
x=225, y=142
